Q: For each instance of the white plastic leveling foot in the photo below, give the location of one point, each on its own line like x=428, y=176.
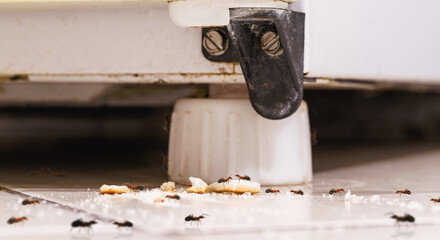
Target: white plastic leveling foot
x=214, y=138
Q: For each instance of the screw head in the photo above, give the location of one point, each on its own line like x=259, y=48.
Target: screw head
x=270, y=44
x=215, y=42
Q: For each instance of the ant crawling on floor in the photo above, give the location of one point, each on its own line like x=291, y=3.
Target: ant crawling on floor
x=333, y=190
x=270, y=190
x=197, y=219
x=297, y=192
x=79, y=223
x=435, y=200
x=404, y=191
x=30, y=202
x=175, y=196
x=13, y=220
x=402, y=219
x=125, y=224
x=138, y=187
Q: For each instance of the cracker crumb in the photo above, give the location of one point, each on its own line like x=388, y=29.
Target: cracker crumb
x=159, y=200
x=198, y=185
x=168, y=186
x=235, y=186
x=114, y=189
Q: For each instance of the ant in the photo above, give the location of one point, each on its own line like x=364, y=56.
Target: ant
x=29, y=202
x=314, y=137
x=13, y=220
x=223, y=180
x=138, y=187
x=435, y=200
x=187, y=185
x=175, y=196
x=270, y=190
x=405, y=218
x=58, y=174
x=245, y=177
x=164, y=162
x=41, y=171
x=191, y=218
x=79, y=223
x=405, y=191
x=125, y=224
x=167, y=124
x=298, y=192
x=335, y=190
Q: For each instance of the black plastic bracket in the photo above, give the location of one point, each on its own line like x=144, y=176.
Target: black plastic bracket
x=274, y=76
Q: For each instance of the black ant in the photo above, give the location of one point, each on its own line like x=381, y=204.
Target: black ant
x=405, y=218
x=405, y=191
x=192, y=218
x=13, y=220
x=245, y=177
x=79, y=223
x=336, y=190
x=29, y=202
x=298, y=192
x=125, y=224
x=175, y=196
x=270, y=190
x=138, y=187
x=223, y=180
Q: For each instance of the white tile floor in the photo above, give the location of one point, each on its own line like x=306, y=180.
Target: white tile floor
x=315, y=215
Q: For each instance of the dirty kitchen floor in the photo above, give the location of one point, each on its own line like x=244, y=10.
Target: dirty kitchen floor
x=359, y=213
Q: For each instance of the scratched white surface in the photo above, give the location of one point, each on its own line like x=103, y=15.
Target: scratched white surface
x=315, y=215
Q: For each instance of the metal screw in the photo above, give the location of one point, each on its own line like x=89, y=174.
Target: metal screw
x=270, y=43
x=215, y=43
